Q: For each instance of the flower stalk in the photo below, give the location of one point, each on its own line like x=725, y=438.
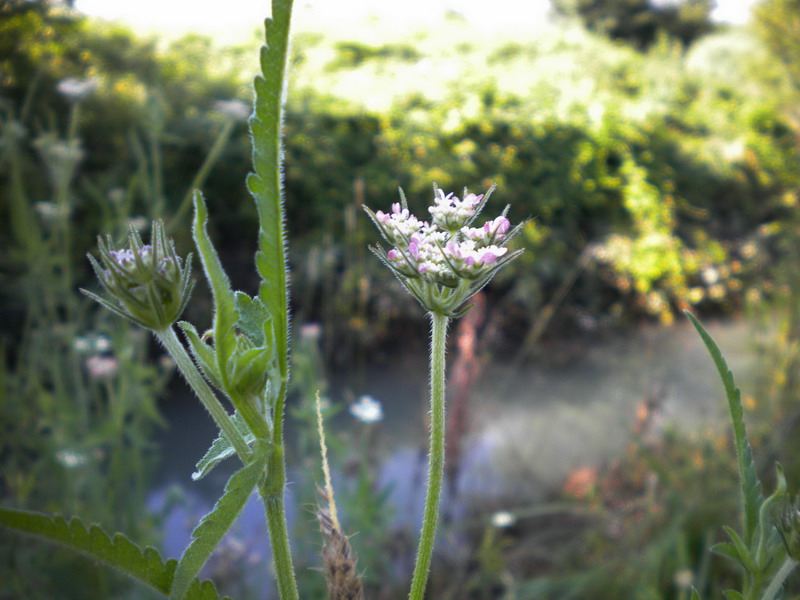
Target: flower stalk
x=436, y=457
x=442, y=263
x=210, y=402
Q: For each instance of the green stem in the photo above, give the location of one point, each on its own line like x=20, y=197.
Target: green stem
x=777, y=582
x=271, y=491
x=436, y=458
x=221, y=417
x=203, y=171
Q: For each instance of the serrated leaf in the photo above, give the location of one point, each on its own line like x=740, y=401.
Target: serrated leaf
x=221, y=449
x=265, y=184
x=748, y=479
x=143, y=564
x=213, y=527
x=254, y=318
x=224, y=308
x=203, y=354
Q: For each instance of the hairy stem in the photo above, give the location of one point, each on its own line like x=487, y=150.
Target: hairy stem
x=780, y=577
x=221, y=417
x=271, y=491
x=436, y=457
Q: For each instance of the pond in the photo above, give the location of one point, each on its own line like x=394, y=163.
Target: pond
x=528, y=427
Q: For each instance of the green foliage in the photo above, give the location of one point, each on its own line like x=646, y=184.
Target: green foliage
x=117, y=552
x=777, y=23
x=641, y=21
x=750, y=484
x=353, y=54
x=213, y=527
x=761, y=552
x=225, y=316
x=221, y=449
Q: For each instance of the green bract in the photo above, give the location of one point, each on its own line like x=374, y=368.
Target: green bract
x=148, y=284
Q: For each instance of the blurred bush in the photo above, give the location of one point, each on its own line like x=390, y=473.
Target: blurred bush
x=662, y=166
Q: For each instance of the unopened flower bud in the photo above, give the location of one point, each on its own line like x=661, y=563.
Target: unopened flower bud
x=147, y=284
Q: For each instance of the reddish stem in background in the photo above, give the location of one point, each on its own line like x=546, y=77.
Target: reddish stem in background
x=466, y=370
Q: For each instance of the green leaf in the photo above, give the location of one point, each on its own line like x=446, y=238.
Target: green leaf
x=732, y=595
x=213, y=527
x=748, y=479
x=203, y=354
x=695, y=595
x=265, y=184
x=221, y=449
x=224, y=308
x=254, y=318
x=768, y=536
x=118, y=552
x=740, y=549
x=728, y=551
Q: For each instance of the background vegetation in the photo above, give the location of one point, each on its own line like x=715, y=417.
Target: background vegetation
x=655, y=154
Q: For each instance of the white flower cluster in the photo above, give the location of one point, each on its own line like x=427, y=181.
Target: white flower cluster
x=450, y=213
x=446, y=250
x=444, y=262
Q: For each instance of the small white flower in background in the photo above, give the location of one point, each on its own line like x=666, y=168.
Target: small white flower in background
x=116, y=195
x=71, y=459
x=310, y=332
x=683, y=579
x=165, y=362
x=102, y=343
x=92, y=343
x=367, y=409
x=50, y=212
x=139, y=223
x=82, y=344
x=235, y=109
x=75, y=88
x=503, y=518
x=101, y=368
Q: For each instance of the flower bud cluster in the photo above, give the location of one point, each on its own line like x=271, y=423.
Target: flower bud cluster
x=430, y=258
x=147, y=283
x=450, y=213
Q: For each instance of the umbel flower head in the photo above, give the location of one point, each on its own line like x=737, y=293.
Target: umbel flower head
x=442, y=263
x=147, y=283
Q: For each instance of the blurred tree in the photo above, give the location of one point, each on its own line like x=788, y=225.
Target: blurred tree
x=778, y=24
x=641, y=21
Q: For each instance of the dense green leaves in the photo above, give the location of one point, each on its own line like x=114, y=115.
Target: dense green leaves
x=118, y=551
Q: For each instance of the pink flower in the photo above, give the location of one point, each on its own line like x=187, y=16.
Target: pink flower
x=101, y=367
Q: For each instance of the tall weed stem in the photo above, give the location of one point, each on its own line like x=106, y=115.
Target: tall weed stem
x=436, y=457
x=188, y=369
